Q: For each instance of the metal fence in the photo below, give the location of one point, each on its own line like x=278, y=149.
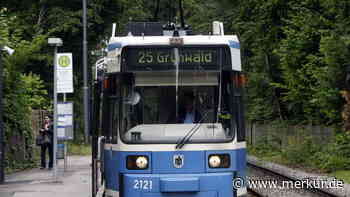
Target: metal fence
x=38, y=120
x=283, y=135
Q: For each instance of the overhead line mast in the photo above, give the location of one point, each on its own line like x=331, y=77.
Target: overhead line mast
x=181, y=15
x=155, y=18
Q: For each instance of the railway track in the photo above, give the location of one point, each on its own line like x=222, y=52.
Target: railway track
x=253, y=193
x=304, y=191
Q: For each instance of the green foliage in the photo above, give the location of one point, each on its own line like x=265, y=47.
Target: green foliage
x=302, y=151
x=336, y=156
x=295, y=54
x=299, y=151
x=79, y=149
x=264, y=148
x=310, y=68
x=22, y=92
x=34, y=91
x=329, y=162
x=342, y=175
x=259, y=97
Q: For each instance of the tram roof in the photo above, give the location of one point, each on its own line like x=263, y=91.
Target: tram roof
x=120, y=42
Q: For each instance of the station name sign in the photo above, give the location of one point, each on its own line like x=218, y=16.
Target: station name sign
x=158, y=58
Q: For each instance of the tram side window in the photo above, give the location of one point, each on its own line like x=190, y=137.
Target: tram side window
x=126, y=114
x=238, y=105
x=114, y=126
x=110, y=117
x=228, y=113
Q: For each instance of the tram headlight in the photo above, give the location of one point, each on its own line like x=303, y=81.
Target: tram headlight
x=137, y=162
x=141, y=162
x=219, y=161
x=214, y=161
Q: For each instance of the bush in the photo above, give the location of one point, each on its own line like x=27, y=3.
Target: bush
x=335, y=156
x=330, y=162
x=264, y=147
x=79, y=149
x=299, y=151
x=341, y=145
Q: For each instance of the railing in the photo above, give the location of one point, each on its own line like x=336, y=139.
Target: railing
x=284, y=134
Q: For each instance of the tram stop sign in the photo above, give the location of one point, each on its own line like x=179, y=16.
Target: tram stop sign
x=64, y=73
x=65, y=121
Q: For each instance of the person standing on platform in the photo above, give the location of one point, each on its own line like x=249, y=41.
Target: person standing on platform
x=47, y=144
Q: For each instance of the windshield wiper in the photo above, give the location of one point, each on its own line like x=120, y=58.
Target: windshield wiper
x=190, y=133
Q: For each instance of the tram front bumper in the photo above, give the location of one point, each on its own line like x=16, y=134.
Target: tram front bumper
x=180, y=184
x=186, y=185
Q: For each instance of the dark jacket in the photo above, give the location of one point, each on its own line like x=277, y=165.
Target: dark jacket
x=49, y=133
x=182, y=116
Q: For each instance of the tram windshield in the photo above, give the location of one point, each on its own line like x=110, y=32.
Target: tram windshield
x=163, y=106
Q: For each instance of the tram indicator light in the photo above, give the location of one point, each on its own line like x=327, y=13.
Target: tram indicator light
x=106, y=84
x=240, y=80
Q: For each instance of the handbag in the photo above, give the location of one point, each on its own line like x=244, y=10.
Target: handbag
x=39, y=140
x=46, y=139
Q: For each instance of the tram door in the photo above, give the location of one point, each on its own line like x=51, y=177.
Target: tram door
x=104, y=95
x=94, y=133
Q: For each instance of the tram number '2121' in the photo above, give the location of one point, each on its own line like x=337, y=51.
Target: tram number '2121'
x=142, y=184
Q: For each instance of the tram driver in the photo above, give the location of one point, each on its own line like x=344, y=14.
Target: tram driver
x=188, y=113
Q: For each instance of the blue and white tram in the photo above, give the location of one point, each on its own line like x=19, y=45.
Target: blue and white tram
x=172, y=117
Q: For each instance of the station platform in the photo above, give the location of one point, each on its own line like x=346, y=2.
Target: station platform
x=74, y=181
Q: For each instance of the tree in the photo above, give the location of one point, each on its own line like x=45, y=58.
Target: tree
x=22, y=92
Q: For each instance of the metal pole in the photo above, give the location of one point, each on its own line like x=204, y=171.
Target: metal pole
x=93, y=145
x=2, y=151
x=177, y=62
x=65, y=143
x=85, y=88
x=55, y=117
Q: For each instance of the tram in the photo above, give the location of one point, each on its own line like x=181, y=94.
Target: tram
x=172, y=119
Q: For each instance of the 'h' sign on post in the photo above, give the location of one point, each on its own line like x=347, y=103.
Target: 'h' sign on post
x=64, y=73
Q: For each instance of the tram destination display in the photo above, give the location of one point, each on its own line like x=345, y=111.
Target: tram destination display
x=207, y=58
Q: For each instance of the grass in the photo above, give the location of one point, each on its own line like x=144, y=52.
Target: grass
x=272, y=156
x=306, y=156
x=79, y=149
x=342, y=175
x=73, y=149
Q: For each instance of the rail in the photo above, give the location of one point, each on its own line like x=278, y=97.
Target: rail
x=320, y=192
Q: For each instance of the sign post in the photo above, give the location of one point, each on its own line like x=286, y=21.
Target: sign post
x=56, y=42
x=2, y=136
x=55, y=119
x=65, y=121
x=64, y=110
x=65, y=126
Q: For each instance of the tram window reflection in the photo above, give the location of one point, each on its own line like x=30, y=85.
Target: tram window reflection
x=160, y=110
x=157, y=105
